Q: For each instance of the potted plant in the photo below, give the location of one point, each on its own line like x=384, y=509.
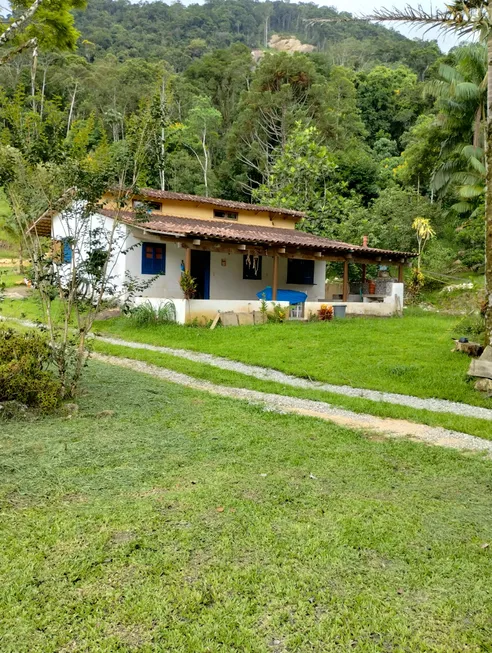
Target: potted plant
x=325, y=313
x=188, y=285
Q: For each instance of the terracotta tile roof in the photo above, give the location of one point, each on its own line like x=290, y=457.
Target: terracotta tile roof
x=245, y=233
x=227, y=204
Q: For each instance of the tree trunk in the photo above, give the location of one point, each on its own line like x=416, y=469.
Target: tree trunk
x=72, y=104
x=488, y=195
x=34, y=65
x=162, y=170
x=43, y=90
x=205, y=159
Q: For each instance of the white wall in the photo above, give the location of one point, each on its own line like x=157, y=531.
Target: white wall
x=397, y=289
x=165, y=286
x=181, y=305
x=71, y=224
x=226, y=281
x=373, y=309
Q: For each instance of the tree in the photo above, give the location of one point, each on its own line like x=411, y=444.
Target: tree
x=303, y=177
x=389, y=100
x=424, y=232
x=74, y=275
x=47, y=24
x=464, y=18
x=388, y=220
x=202, y=125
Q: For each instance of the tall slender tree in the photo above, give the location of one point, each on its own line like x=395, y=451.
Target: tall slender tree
x=464, y=18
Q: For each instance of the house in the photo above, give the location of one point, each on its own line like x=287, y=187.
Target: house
x=235, y=250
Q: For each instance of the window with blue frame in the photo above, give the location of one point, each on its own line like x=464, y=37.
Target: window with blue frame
x=66, y=251
x=153, y=258
x=300, y=271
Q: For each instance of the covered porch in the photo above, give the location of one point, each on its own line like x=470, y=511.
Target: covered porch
x=233, y=263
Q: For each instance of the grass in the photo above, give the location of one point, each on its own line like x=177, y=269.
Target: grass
x=409, y=356
x=189, y=523
x=11, y=276
x=7, y=253
x=24, y=309
x=8, y=247
x=474, y=426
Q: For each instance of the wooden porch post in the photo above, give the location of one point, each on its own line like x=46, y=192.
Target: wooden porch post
x=187, y=260
x=364, y=272
x=400, y=273
x=345, y=281
x=275, y=278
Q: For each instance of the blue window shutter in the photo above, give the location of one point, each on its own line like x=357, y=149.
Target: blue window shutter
x=153, y=258
x=67, y=251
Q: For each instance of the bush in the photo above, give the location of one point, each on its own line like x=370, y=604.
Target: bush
x=25, y=376
x=145, y=314
x=472, y=326
x=278, y=314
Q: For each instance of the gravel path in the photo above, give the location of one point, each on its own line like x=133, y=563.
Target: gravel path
x=268, y=374
x=283, y=404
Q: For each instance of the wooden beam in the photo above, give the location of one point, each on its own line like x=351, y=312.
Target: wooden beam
x=364, y=272
x=345, y=281
x=275, y=278
x=283, y=252
x=400, y=273
x=188, y=260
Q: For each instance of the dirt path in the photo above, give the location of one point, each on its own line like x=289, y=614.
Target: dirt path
x=268, y=374
x=284, y=404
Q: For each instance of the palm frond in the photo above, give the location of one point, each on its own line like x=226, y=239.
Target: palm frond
x=470, y=192
x=452, y=19
x=450, y=74
x=467, y=91
x=470, y=151
x=462, y=207
x=477, y=165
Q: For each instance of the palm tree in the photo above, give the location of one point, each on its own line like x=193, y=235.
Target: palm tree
x=462, y=17
x=461, y=94
x=461, y=98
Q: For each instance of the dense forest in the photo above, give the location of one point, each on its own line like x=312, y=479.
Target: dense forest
x=365, y=131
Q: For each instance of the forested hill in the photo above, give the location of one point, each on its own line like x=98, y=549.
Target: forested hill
x=365, y=131
x=180, y=33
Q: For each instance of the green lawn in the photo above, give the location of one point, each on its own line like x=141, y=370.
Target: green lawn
x=189, y=523
x=474, y=426
x=411, y=355
x=8, y=248
x=11, y=276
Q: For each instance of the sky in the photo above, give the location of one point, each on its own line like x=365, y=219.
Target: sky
x=368, y=6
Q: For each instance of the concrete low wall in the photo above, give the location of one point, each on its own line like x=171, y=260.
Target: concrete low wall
x=207, y=309
x=372, y=309
x=180, y=304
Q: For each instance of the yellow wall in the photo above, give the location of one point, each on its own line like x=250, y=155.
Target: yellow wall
x=190, y=209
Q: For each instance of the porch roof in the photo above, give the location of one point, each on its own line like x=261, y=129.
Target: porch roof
x=221, y=230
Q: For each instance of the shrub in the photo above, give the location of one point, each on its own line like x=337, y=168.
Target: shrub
x=145, y=314
x=25, y=376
